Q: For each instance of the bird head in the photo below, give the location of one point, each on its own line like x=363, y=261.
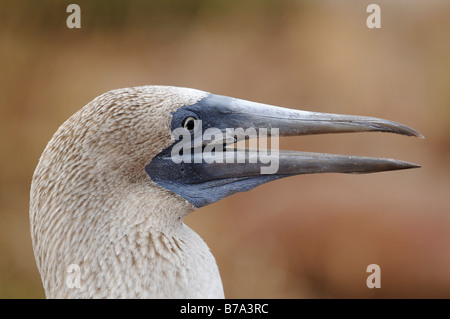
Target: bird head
x=183, y=142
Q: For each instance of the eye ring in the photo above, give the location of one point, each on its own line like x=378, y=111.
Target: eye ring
x=189, y=123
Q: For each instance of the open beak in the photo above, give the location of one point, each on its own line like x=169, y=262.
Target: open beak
x=234, y=119
x=238, y=113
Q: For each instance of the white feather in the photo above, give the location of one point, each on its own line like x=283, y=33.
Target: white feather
x=92, y=205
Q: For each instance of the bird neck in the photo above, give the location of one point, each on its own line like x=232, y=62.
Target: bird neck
x=134, y=245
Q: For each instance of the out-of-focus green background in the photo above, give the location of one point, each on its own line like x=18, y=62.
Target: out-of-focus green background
x=303, y=237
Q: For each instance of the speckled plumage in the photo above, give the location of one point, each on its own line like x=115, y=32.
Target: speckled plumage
x=93, y=205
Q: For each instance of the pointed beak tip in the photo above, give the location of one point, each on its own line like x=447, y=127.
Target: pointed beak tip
x=415, y=133
x=408, y=165
x=406, y=130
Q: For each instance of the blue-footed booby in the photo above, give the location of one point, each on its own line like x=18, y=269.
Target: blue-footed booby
x=109, y=194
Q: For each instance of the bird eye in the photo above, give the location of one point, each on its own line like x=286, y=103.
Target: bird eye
x=190, y=123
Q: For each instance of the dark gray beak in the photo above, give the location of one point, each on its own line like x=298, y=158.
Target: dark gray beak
x=202, y=179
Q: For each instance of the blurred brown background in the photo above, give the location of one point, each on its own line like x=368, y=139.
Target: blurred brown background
x=303, y=237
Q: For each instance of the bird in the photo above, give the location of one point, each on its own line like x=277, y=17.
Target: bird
x=113, y=185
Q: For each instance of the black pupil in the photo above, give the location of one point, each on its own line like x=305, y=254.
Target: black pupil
x=189, y=124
